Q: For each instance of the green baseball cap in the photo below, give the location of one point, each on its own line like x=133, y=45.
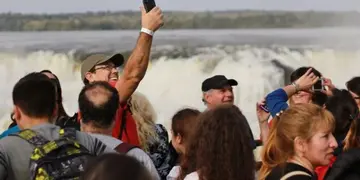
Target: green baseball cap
x=91, y=61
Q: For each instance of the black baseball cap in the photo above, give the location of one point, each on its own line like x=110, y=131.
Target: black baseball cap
x=217, y=82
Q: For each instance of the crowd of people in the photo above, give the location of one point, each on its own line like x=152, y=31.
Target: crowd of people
x=306, y=133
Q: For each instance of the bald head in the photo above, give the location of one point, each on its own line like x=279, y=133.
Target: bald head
x=98, y=96
x=98, y=103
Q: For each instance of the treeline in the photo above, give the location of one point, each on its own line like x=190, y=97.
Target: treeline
x=178, y=20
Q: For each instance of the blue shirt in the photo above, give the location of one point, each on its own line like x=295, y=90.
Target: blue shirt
x=276, y=101
x=12, y=130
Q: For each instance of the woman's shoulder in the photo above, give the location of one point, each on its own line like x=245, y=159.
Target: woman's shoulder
x=290, y=171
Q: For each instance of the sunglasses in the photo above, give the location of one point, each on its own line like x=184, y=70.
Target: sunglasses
x=12, y=117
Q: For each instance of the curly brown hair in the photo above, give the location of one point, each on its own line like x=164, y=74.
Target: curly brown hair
x=111, y=166
x=220, y=147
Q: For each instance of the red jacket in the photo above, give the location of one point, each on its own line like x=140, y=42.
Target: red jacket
x=130, y=134
x=322, y=170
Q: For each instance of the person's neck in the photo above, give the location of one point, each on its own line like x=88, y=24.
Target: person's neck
x=95, y=130
x=182, y=151
x=210, y=106
x=302, y=162
x=32, y=122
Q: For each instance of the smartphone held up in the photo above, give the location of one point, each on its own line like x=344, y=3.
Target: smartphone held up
x=319, y=86
x=264, y=108
x=149, y=5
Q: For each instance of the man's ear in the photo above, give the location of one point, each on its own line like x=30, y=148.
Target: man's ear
x=17, y=114
x=206, y=97
x=88, y=76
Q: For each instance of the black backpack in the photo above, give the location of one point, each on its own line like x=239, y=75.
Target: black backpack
x=63, y=158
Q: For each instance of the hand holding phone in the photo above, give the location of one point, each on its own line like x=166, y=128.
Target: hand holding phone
x=264, y=108
x=307, y=81
x=152, y=17
x=319, y=85
x=262, y=111
x=149, y=5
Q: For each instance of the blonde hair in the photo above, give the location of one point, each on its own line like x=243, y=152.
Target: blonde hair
x=303, y=121
x=144, y=115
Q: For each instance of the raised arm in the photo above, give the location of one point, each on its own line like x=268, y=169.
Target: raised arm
x=276, y=101
x=263, y=121
x=136, y=66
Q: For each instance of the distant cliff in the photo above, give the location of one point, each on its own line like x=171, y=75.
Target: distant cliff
x=178, y=20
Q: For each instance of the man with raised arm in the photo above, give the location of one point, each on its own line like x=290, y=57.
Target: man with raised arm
x=99, y=67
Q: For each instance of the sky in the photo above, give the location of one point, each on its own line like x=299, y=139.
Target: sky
x=65, y=6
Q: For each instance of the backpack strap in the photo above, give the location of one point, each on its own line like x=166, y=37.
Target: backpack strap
x=294, y=173
x=68, y=137
x=42, y=145
x=123, y=122
x=32, y=137
x=69, y=133
x=124, y=147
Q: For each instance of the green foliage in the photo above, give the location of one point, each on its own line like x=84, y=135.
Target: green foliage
x=178, y=20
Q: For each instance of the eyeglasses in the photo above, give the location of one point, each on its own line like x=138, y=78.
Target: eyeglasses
x=106, y=67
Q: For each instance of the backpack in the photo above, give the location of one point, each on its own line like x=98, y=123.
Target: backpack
x=63, y=158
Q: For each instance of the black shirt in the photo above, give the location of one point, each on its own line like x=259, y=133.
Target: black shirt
x=279, y=171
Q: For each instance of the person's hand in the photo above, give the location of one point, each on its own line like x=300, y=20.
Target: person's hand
x=152, y=20
x=329, y=87
x=306, y=81
x=261, y=114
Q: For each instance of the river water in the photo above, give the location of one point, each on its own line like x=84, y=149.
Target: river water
x=181, y=59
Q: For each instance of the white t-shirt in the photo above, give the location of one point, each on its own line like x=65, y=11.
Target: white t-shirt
x=174, y=173
x=192, y=176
